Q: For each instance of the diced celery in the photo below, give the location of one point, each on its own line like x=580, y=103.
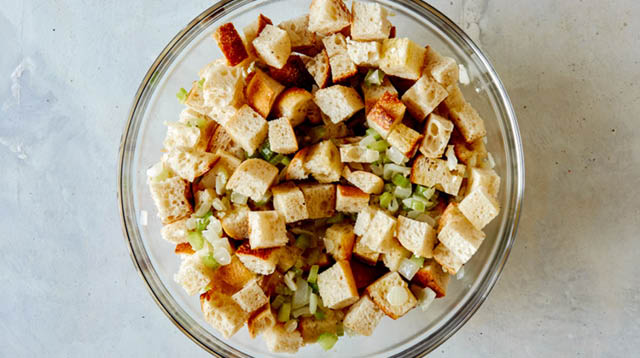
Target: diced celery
x=284, y=312
x=374, y=77
x=393, y=205
x=418, y=260
x=313, y=303
x=313, y=274
x=385, y=199
x=266, y=152
x=195, y=240
x=401, y=192
x=277, y=159
x=303, y=241
x=277, y=302
x=302, y=311
x=388, y=187
x=379, y=146
x=425, y=192
x=209, y=261
x=201, y=82
x=203, y=222
x=372, y=132
x=327, y=340
x=297, y=271
x=340, y=330
x=314, y=287
x=319, y=315
x=182, y=95
x=318, y=133
x=336, y=219
x=285, y=161
x=400, y=180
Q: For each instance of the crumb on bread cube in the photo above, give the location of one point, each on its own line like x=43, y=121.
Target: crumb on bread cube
x=337, y=286
x=252, y=178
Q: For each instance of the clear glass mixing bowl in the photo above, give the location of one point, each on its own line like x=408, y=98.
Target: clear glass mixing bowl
x=415, y=334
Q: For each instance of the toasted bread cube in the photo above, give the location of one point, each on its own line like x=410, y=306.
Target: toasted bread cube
x=479, y=207
x=311, y=328
x=226, y=163
x=185, y=137
x=437, y=132
x=341, y=65
x=328, y=16
x=333, y=131
x=379, y=234
x=339, y=240
x=267, y=229
x=363, y=180
x=337, y=287
x=296, y=169
x=473, y=154
x=301, y=38
x=434, y=172
x=222, y=84
x=293, y=104
x=364, y=220
x=175, y=232
x=247, y=128
x=282, y=138
x=292, y=74
x=230, y=44
x=402, y=58
x=417, y=236
x=442, y=69
x=373, y=92
x=386, y=114
x=431, y=275
x=458, y=234
x=379, y=290
x=465, y=117
x=260, y=261
x=392, y=257
x=323, y=162
x=260, y=321
x=320, y=199
x=171, y=197
x=253, y=178
x=193, y=276
x=235, y=274
x=250, y=297
x=252, y=31
x=319, y=67
x=364, y=274
x=364, y=53
x=364, y=253
x=449, y=261
x=235, y=223
x=273, y=46
x=289, y=201
x=484, y=178
x=350, y=199
x=222, y=312
x=221, y=140
x=189, y=164
x=423, y=97
x=261, y=92
x=404, y=139
x=183, y=248
x=338, y=102
x=278, y=340
x=353, y=153
x=369, y=21
x=363, y=316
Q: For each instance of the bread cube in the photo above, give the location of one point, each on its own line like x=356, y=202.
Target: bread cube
x=235, y=274
x=333, y=131
x=402, y=58
x=364, y=53
x=337, y=287
x=379, y=234
x=278, y=340
x=222, y=85
x=311, y=328
x=442, y=69
x=339, y=240
x=393, y=256
x=282, y=138
x=183, y=248
x=363, y=180
x=261, y=92
x=273, y=46
x=171, y=197
x=267, y=229
x=222, y=312
x=235, y=222
x=230, y=44
x=364, y=253
x=434, y=172
x=221, y=140
x=353, y=153
x=449, y=261
x=431, y=275
x=195, y=100
x=226, y=163
x=417, y=236
x=479, y=207
x=252, y=31
x=260, y=321
x=296, y=169
x=437, y=132
x=423, y=97
x=301, y=38
x=320, y=199
x=335, y=44
x=350, y=199
x=363, y=220
x=293, y=104
x=175, y=232
x=379, y=290
x=369, y=21
x=252, y=178
x=192, y=275
x=328, y=16
x=363, y=316
x=458, y=234
x=247, y=128
x=260, y=261
x=486, y=179
x=319, y=67
x=404, y=139
x=386, y=114
x=473, y=154
x=185, y=137
x=341, y=65
x=338, y=102
x=189, y=164
x=465, y=117
x=250, y=297
x=289, y=201
x=323, y=162
x=373, y=92
x=292, y=74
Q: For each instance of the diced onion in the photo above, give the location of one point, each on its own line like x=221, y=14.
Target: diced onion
x=284, y=312
x=219, y=205
x=393, y=205
x=277, y=302
x=191, y=223
x=424, y=295
x=221, y=182
x=238, y=198
x=288, y=280
x=491, y=162
x=463, y=75
x=395, y=156
x=367, y=141
x=291, y=325
x=215, y=226
x=452, y=161
x=313, y=303
x=301, y=295
x=397, y=296
x=401, y=192
x=377, y=169
x=302, y=311
x=222, y=255
x=460, y=274
x=408, y=268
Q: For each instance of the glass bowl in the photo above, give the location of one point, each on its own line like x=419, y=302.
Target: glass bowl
x=415, y=334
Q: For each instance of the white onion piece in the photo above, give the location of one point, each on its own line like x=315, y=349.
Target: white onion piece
x=301, y=296
x=191, y=223
x=397, y=296
x=408, y=268
x=452, y=161
x=291, y=325
x=302, y=311
x=215, y=226
x=218, y=204
x=288, y=280
x=491, y=161
x=364, y=142
x=463, y=75
x=393, y=205
x=313, y=303
x=222, y=256
x=390, y=169
x=425, y=296
x=221, y=182
x=395, y=156
x=401, y=192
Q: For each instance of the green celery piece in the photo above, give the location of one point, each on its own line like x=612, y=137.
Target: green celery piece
x=182, y=95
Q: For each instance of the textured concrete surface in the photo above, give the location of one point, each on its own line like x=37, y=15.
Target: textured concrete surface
x=69, y=69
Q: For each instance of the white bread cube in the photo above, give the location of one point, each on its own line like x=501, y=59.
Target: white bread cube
x=341, y=65
x=487, y=179
x=363, y=316
x=192, y=275
x=175, y=232
x=465, y=117
x=338, y=102
x=449, y=261
x=320, y=199
x=267, y=229
x=364, y=220
x=222, y=85
x=335, y=44
x=282, y=138
x=289, y=201
x=404, y=139
x=311, y=328
x=323, y=162
x=386, y=114
x=379, y=235
x=339, y=240
x=402, y=57
x=273, y=46
x=380, y=288
x=458, y=234
x=417, y=236
x=222, y=312
x=195, y=100
x=364, y=53
x=293, y=104
x=250, y=297
x=435, y=172
x=337, y=286
x=363, y=180
x=373, y=92
x=247, y=128
x=226, y=163
x=230, y=44
x=260, y=261
x=364, y=253
x=253, y=178
x=442, y=69
x=350, y=199
x=221, y=140
x=332, y=130
x=235, y=222
x=189, y=164
x=473, y=154
x=392, y=257
x=423, y=97
x=185, y=137
x=252, y=30
x=437, y=132
x=319, y=68
x=171, y=197
x=235, y=274
x=479, y=207
x=353, y=153
x=296, y=170
x=278, y=340
x=431, y=275
x=261, y=92
x=328, y=16
x=260, y=321
x=301, y=38
x=369, y=21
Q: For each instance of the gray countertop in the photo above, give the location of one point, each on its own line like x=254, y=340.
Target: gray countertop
x=69, y=70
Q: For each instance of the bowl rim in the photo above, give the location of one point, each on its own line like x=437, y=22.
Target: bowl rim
x=516, y=200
